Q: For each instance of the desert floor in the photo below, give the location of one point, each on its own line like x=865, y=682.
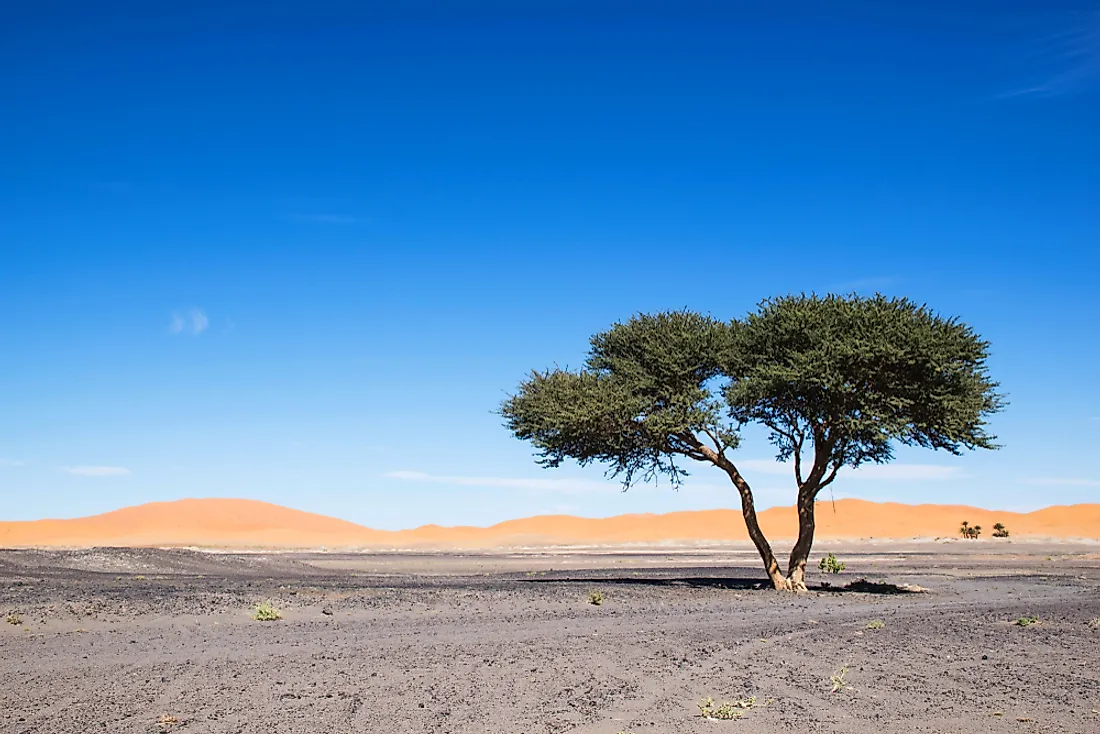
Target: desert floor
x=113, y=640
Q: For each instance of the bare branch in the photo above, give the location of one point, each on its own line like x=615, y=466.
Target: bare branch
x=719, y=448
x=829, y=478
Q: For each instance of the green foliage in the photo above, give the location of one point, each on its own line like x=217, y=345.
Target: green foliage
x=265, y=611
x=849, y=375
x=999, y=531
x=14, y=618
x=876, y=624
x=970, y=531
x=644, y=388
x=856, y=375
x=595, y=598
x=1026, y=621
x=829, y=564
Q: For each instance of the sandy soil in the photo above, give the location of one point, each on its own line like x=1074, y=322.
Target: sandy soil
x=247, y=524
x=111, y=640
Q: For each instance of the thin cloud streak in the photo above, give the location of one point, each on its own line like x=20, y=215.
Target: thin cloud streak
x=1062, y=482
x=564, y=486
x=871, y=472
x=98, y=471
x=570, y=486
x=1073, y=61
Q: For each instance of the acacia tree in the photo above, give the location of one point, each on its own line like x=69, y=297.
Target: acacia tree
x=837, y=381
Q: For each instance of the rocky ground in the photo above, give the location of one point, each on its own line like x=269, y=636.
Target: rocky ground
x=110, y=640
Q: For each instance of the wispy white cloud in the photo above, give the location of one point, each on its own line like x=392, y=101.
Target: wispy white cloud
x=97, y=471
x=11, y=462
x=569, y=486
x=875, y=472
x=193, y=321
x=880, y=473
x=1062, y=482
x=1068, y=62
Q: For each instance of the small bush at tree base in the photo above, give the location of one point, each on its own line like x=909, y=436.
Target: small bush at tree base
x=829, y=564
x=265, y=611
x=595, y=598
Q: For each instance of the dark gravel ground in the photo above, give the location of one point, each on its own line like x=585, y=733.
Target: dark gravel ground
x=111, y=640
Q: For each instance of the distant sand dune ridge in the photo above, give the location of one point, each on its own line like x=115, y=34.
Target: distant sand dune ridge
x=236, y=523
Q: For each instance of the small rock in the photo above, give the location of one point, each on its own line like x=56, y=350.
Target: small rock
x=326, y=611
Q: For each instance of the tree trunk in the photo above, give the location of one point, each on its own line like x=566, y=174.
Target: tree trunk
x=796, y=570
x=748, y=509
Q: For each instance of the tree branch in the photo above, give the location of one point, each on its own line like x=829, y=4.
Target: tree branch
x=719, y=448
x=798, y=462
x=829, y=479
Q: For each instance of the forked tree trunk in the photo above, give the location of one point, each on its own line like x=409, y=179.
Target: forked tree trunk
x=800, y=553
x=748, y=509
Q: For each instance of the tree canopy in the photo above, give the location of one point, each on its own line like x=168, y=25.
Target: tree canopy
x=837, y=380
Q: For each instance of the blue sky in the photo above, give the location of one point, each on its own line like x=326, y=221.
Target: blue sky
x=299, y=252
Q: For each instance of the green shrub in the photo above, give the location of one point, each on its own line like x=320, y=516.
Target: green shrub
x=829, y=564
x=875, y=624
x=1026, y=621
x=265, y=611
x=14, y=618
x=1000, y=531
x=595, y=598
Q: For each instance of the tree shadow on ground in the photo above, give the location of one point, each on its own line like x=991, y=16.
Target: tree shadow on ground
x=863, y=586
x=859, y=586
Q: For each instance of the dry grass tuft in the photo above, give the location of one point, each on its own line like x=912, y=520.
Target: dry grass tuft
x=727, y=711
x=166, y=722
x=838, y=681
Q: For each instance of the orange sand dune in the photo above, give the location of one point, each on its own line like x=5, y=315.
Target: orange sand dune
x=248, y=523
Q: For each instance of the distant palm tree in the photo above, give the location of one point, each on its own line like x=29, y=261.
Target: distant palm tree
x=969, y=531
